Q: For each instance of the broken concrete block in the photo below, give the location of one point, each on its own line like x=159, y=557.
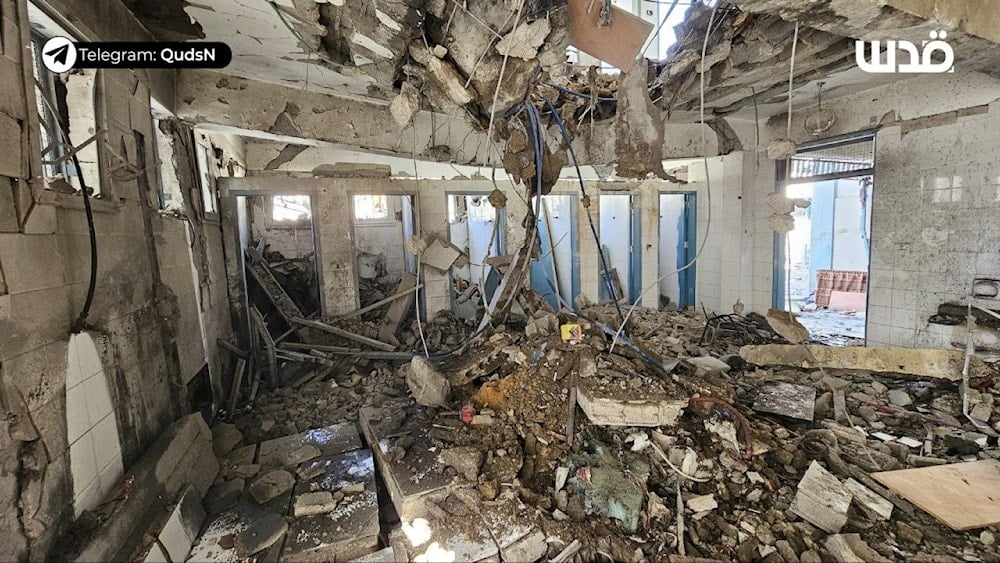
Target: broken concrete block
x=466, y=460
x=439, y=254
x=617, y=409
x=405, y=105
x=709, y=364
x=787, y=399
x=850, y=548
x=531, y=547
x=224, y=495
x=225, y=437
x=261, y=534
x=330, y=440
x=785, y=324
x=271, y=485
x=350, y=529
x=868, y=500
x=524, y=40
x=701, y=503
x=319, y=502
x=428, y=386
x=293, y=457
x=821, y=499
x=899, y=398
x=544, y=325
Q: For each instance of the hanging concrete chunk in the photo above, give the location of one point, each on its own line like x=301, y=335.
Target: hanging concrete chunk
x=523, y=42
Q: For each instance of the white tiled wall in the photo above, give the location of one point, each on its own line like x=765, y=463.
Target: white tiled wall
x=935, y=224
x=95, y=451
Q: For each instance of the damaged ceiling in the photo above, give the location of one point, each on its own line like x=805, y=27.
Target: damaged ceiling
x=484, y=61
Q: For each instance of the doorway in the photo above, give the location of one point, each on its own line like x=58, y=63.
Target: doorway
x=821, y=266
x=382, y=225
x=677, y=244
x=555, y=273
x=619, y=239
x=475, y=227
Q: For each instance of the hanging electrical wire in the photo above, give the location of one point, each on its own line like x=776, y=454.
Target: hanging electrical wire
x=708, y=190
x=81, y=321
x=583, y=192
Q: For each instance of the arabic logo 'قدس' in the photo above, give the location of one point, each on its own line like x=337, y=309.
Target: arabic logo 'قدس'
x=920, y=59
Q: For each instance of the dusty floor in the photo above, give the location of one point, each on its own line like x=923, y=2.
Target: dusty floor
x=615, y=489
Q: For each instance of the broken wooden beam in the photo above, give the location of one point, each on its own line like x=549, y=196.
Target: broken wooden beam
x=344, y=351
x=920, y=362
x=234, y=393
x=232, y=348
x=399, y=310
x=269, y=347
x=345, y=334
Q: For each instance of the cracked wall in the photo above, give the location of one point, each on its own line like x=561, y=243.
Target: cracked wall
x=135, y=323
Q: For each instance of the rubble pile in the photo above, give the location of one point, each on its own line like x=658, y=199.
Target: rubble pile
x=680, y=445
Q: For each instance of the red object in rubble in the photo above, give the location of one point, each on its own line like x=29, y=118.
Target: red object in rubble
x=466, y=414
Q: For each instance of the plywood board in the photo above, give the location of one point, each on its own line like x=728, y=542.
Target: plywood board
x=618, y=44
x=965, y=496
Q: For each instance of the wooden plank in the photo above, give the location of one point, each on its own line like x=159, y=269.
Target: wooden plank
x=344, y=351
x=345, y=334
x=962, y=495
x=398, y=311
x=618, y=43
x=921, y=362
x=234, y=393
x=269, y=347
x=232, y=348
x=381, y=302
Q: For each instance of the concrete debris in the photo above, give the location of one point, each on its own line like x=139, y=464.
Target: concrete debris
x=701, y=503
x=320, y=502
x=466, y=461
x=709, y=364
x=271, y=485
x=787, y=399
x=523, y=42
x=428, y=386
x=639, y=127
x=261, y=534
x=821, y=499
x=755, y=474
x=785, y=324
x=225, y=437
x=941, y=364
x=443, y=74
x=405, y=105
x=292, y=458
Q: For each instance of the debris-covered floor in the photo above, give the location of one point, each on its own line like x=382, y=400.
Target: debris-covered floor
x=534, y=446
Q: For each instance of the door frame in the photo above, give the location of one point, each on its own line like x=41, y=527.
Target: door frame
x=687, y=245
x=501, y=239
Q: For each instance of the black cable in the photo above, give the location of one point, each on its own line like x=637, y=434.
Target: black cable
x=81, y=321
x=583, y=190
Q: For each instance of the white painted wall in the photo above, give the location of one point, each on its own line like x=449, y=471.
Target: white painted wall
x=671, y=217
x=616, y=224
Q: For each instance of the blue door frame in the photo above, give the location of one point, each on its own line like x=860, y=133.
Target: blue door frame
x=687, y=247
x=541, y=269
x=499, y=244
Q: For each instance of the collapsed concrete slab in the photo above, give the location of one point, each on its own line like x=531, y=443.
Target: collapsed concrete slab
x=627, y=408
x=218, y=540
x=350, y=529
x=331, y=440
x=410, y=480
x=921, y=362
